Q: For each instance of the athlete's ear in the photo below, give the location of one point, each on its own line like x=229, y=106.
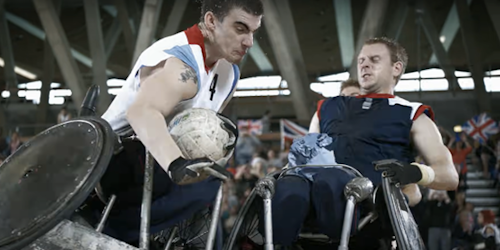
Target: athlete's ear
x=209, y=20
x=397, y=69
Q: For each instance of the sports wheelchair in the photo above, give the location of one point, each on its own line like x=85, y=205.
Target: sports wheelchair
x=386, y=211
x=45, y=183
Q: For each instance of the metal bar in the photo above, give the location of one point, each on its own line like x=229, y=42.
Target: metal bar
x=345, y=33
x=346, y=227
x=493, y=8
x=260, y=58
x=171, y=238
x=7, y=53
x=370, y=26
x=146, y=202
x=105, y=213
x=268, y=217
x=96, y=42
x=47, y=78
x=432, y=36
x=449, y=30
x=147, y=29
x=60, y=47
x=473, y=57
x=40, y=34
x=111, y=37
x=288, y=66
x=398, y=21
x=215, y=219
x=363, y=222
x=174, y=18
x=124, y=17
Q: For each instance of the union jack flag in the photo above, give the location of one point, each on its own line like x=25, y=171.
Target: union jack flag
x=480, y=127
x=290, y=131
x=251, y=126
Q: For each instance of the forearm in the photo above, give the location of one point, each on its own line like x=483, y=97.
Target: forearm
x=413, y=193
x=151, y=128
x=445, y=176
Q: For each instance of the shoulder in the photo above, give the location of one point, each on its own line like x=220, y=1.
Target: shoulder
x=417, y=108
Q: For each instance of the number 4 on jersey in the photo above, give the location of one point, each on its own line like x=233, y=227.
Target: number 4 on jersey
x=212, y=86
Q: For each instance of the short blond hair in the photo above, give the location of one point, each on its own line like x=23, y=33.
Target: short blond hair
x=349, y=83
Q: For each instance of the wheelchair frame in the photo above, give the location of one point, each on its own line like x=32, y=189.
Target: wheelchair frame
x=70, y=235
x=392, y=195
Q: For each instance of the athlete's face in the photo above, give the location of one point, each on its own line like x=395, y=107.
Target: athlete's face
x=350, y=91
x=376, y=72
x=234, y=35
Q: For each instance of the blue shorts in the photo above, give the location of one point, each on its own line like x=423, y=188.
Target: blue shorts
x=318, y=195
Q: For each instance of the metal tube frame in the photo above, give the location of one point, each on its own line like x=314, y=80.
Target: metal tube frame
x=215, y=219
x=105, y=213
x=171, y=238
x=346, y=228
x=146, y=202
x=268, y=221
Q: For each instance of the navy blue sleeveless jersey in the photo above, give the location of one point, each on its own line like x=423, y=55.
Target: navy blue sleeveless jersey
x=369, y=128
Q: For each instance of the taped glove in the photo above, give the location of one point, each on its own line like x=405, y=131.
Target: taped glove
x=405, y=173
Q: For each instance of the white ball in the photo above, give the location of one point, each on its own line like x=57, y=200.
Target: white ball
x=199, y=133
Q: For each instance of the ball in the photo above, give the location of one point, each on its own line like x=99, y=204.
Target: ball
x=199, y=133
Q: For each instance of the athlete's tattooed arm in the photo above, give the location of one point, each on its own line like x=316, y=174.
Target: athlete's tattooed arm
x=189, y=74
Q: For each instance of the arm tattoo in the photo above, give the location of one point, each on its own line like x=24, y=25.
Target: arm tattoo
x=189, y=74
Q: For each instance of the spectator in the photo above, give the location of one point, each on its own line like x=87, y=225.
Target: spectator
x=266, y=122
x=63, y=115
x=439, y=220
x=14, y=144
x=259, y=164
x=486, y=154
x=245, y=180
x=489, y=231
x=246, y=147
x=273, y=163
x=463, y=232
x=459, y=150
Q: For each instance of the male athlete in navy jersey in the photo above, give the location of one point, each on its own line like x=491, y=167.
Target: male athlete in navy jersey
x=371, y=127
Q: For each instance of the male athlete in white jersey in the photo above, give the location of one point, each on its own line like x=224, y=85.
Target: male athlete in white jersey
x=193, y=68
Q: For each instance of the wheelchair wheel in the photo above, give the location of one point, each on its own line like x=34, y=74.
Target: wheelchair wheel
x=245, y=233
x=190, y=234
x=404, y=226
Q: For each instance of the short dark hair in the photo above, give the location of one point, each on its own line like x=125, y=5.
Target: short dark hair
x=349, y=83
x=221, y=8
x=398, y=53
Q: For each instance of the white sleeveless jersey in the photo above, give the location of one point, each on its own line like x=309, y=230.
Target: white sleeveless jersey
x=215, y=86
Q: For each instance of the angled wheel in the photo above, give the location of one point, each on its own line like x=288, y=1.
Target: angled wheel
x=404, y=226
x=245, y=229
x=48, y=177
x=190, y=234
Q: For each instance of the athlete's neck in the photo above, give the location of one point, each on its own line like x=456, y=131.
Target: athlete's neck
x=211, y=53
x=388, y=91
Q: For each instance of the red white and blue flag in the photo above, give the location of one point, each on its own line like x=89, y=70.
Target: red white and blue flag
x=480, y=127
x=251, y=126
x=290, y=131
